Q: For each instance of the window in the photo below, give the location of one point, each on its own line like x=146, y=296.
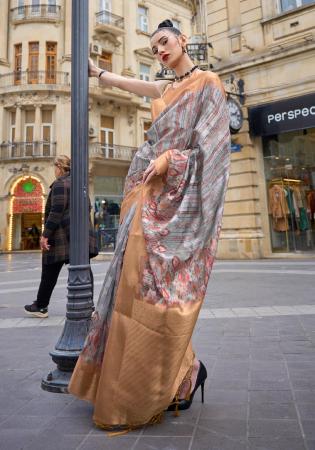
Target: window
x=33, y=52
x=51, y=62
x=21, y=8
x=29, y=132
x=17, y=63
x=46, y=131
x=107, y=136
x=105, y=10
x=105, y=61
x=35, y=9
x=143, y=19
x=52, y=7
x=145, y=75
x=12, y=127
x=288, y=5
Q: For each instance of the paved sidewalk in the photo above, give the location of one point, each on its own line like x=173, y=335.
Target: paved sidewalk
x=260, y=356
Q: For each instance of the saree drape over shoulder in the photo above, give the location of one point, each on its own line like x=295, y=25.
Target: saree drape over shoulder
x=138, y=349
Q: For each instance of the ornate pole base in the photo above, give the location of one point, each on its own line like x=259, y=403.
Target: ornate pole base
x=68, y=348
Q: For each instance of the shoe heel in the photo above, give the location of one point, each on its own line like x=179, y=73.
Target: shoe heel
x=202, y=392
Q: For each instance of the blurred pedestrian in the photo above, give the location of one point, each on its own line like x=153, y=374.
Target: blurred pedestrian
x=54, y=241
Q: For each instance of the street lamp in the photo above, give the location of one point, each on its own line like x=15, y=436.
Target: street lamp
x=80, y=298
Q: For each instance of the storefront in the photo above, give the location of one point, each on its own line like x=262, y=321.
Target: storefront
x=108, y=195
x=26, y=214
x=287, y=130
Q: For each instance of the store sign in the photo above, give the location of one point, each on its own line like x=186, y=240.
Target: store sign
x=27, y=205
x=279, y=117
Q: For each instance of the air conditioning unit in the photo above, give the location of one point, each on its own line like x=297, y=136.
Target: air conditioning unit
x=92, y=132
x=95, y=49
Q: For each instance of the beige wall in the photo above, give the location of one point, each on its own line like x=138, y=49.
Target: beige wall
x=274, y=53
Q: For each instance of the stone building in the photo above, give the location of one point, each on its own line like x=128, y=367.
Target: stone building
x=267, y=49
x=35, y=74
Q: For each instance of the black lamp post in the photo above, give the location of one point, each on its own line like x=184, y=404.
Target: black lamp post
x=80, y=301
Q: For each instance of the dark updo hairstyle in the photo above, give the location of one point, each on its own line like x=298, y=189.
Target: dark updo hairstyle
x=167, y=25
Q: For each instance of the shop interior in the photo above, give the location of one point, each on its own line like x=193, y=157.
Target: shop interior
x=289, y=161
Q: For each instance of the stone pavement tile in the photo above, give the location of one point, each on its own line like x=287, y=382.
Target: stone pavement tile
x=30, y=423
x=257, y=397
x=205, y=440
x=262, y=354
x=55, y=441
x=220, y=411
x=310, y=445
x=16, y=439
x=304, y=396
x=77, y=408
x=276, y=444
x=269, y=380
x=302, y=379
x=226, y=396
x=182, y=425
x=298, y=347
x=105, y=442
x=11, y=405
x=228, y=382
x=232, y=366
x=272, y=411
x=298, y=357
x=267, y=365
x=309, y=429
x=274, y=429
x=161, y=443
x=307, y=410
x=45, y=406
x=69, y=425
x=223, y=427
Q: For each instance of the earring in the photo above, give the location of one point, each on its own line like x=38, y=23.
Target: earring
x=184, y=50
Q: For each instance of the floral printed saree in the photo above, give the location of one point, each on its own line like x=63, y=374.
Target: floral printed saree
x=138, y=350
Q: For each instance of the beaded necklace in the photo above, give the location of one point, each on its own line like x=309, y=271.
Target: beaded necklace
x=187, y=74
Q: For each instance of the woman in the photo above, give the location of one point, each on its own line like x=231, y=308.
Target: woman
x=54, y=241
x=137, y=360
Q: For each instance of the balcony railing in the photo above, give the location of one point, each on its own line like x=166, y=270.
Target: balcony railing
x=36, y=12
x=112, y=152
x=27, y=150
x=22, y=78
x=107, y=18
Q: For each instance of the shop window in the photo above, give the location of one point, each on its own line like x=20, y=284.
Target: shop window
x=108, y=192
x=289, y=160
x=143, y=23
x=51, y=62
x=288, y=5
x=107, y=136
x=144, y=74
x=105, y=61
x=17, y=63
x=33, y=53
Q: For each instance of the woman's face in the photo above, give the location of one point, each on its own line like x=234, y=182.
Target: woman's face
x=167, y=48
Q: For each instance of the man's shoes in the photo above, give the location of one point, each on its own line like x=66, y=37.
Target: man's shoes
x=35, y=311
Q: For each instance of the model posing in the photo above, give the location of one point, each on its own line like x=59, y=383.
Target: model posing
x=138, y=360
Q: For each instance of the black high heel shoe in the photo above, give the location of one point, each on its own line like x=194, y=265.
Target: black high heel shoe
x=185, y=403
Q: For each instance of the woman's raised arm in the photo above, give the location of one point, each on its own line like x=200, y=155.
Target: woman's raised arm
x=153, y=89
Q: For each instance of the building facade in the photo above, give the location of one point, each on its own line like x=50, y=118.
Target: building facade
x=266, y=48
x=35, y=76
